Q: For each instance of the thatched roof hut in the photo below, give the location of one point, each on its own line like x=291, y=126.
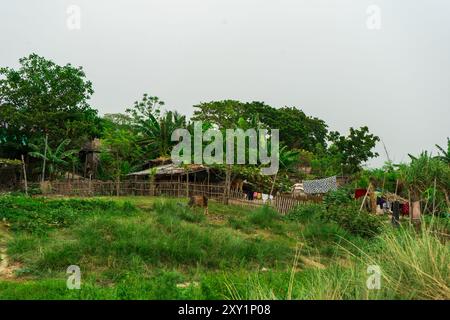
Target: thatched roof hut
x=171, y=169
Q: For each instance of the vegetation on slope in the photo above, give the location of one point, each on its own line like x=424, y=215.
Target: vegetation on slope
x=141, y=248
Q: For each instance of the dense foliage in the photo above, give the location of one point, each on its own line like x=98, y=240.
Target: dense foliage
x=39, y=98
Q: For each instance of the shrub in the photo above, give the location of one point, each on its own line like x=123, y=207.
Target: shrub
x=351, y=219
x=304, y=213
x=264, y=217
x=169, y=210
x=239, y=224
x=341, y=196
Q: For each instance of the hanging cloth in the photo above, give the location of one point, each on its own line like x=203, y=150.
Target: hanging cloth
x=320, y=185
x=360, y=193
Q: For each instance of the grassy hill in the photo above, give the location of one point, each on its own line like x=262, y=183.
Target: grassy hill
x=153, y=248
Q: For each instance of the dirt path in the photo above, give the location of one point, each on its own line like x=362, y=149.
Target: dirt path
x=6, y=270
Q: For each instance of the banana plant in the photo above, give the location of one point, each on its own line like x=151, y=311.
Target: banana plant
x=56, y=158
x=444, y=155
x=155, y=133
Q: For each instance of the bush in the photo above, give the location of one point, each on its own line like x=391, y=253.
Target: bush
x=351, y=219
x=335, y=221
x=169, y=210
x=239, y=224
x=264, y=217
x=306, y=212
x=339, y=197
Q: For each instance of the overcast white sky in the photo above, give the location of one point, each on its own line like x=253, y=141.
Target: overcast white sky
x=317, y=55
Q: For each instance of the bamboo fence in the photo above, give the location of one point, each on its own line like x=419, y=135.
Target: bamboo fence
x=88, y=188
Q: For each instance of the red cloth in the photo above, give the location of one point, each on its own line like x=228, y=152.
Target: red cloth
x=360, y=193
x=405, y=209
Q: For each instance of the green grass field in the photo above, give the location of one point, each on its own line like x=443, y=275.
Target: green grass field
x=154, y=248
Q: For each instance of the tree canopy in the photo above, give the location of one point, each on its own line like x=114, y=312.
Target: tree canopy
x=41, y=97
x=297, y=130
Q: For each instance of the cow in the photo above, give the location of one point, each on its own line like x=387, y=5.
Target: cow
x=199, y=201
x=237, y=184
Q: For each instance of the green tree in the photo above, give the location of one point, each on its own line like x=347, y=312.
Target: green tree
x=154, y=129
x=423, y=173
x=41, y=97
x=120, y=153
x=288, y=160
x=353, y=150
x=297, y=130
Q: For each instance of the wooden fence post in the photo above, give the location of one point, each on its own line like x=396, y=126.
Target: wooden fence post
x=24, y=175
x=187, y=184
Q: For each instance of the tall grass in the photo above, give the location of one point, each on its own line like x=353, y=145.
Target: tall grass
x=264, y=217
x=413, y=266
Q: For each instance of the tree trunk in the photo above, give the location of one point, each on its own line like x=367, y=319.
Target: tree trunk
x=416, y=211
x=227, y=183
x=446, y=198
x=25, y=176
x=118, y=185
x=45, y=157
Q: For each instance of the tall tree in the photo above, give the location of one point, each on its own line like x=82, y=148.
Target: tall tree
x=354, y=149
x=42, y=97
x=154, y=128
x=120, y=153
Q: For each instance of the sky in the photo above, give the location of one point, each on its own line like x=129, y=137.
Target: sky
x=380, y=63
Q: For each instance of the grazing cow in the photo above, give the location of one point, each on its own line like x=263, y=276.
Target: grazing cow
x=237, y=184
x=199, y=201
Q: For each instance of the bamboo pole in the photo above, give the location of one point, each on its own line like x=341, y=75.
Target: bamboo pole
x=434, y=195
x=187, y=184
x=365, y=196
x=118, y=185
x=273, y=184
x=227, y=183
x=45, y=157
x=209, y=187
x=90, y=184
x=24, y=175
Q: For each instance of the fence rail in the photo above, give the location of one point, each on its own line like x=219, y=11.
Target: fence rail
x=85, y=188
